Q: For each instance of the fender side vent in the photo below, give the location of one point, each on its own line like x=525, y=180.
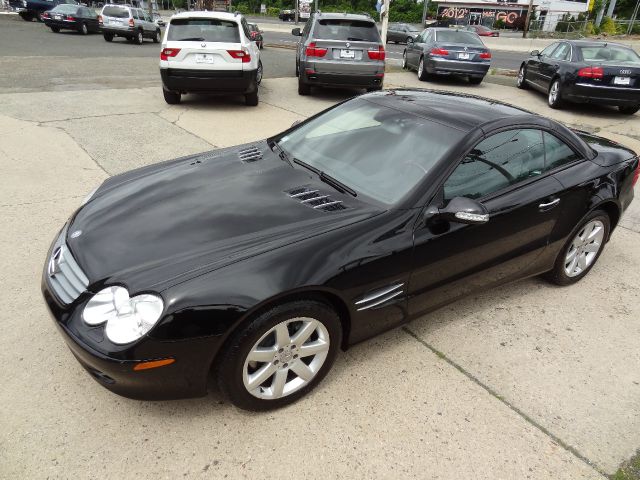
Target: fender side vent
x=250, y=155
x=316, y=199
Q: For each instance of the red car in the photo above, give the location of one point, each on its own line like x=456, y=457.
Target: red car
x=483, y=31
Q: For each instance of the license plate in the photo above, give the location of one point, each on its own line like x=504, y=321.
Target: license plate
x=347, y=54
x=463, y=56
x=622, y=81
x=204, y=58
x=57, y=17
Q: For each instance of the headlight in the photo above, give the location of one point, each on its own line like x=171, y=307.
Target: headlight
x=127, y=319
x=89, y=197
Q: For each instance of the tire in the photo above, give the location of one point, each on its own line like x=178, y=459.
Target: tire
x=172, y=98
x=554, y=98
x=108, y=37
x=521, y=80
x=26, y=16
x=251, y=99
x=287, y=362
x=303, y=87
x=475, y=80
x=405, y=65
x=629, y=109
x=55, y=29
x=83, y=29
x=559, y=275
x=259, y=73
x=39, y=17
x=297, y=69
x=422, y=71
x=157, y=37
x=408, y=39
x=139, y=38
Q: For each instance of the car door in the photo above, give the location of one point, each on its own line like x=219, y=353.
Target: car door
x=415, y=48
x=533, y=65
x=504, y=172
x=549, y=65
x=392, y=32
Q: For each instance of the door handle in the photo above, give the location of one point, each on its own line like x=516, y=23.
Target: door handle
x=548, y=206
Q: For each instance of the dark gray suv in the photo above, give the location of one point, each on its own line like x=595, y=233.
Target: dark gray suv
x=339, y=50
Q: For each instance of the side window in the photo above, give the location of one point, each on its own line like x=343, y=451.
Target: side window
x=549, y=50
x=496, y=162
x=557, y=152
x=307, y=27
x=562, y=52
x=245, y=28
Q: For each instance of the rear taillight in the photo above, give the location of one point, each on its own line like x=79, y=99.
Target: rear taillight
x=591, y=72
x=167, y=53
x=45, y=15
x=241, y=54
x=70, y=18
x=636, y=175
x=253, y=34
x=378, y=54
x=485, y=55
x=131, y=23
x=313, y=51
x=100, y=19
x=439, y=52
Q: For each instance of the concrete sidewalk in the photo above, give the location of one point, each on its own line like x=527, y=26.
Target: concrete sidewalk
x=530, y=381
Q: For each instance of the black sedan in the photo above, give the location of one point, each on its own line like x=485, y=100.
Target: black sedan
x=71, y=17
x=256, y=35
x=258, y=263
x=444, y=51
x=585, y=72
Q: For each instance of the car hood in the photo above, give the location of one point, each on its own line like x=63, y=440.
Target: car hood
x=158, y=226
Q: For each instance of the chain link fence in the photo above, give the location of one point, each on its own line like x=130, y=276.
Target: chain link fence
x=563, y=29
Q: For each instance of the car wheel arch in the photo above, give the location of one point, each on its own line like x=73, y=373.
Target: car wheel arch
x=613, y=211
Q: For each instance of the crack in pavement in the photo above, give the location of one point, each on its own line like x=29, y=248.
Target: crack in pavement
x=572, y=450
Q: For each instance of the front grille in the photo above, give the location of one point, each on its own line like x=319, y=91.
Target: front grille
x=251, y=154
x=188, y=73
x=66, y=278
x=315, y=199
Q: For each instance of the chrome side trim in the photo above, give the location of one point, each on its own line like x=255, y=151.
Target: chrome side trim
x=379, y=293
x=382, y=300
x=608, y=87
x=379, y=297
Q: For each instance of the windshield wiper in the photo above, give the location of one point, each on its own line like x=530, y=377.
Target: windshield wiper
x=328, y=179
x=281, y=153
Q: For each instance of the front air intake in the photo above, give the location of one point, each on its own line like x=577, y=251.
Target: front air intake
x=249, y=155
x=315, y=199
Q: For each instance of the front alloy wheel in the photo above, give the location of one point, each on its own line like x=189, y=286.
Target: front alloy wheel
x=521, y=82
x=280, y=355
x=139, y=38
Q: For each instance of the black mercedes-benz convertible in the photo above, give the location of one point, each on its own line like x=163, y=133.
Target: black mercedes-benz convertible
x=258, y=263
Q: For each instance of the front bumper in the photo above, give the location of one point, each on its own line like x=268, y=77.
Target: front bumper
x=602, y=94
x=209, y=81
x=464, y=67
x=343, y=80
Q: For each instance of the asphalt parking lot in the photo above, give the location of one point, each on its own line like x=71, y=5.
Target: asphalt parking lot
x=528, y=381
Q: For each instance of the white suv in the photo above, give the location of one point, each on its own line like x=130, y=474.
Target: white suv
x=209, y=52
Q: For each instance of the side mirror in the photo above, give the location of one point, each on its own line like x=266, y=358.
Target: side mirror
x=465, y=210
x=535, y=53
x=297, y=122
x=296, y=32
x=410, y=39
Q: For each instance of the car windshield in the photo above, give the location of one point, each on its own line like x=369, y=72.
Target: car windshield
x=115, y=12
x=354, y=30
x=203, y=30
x=411, y=28
x=609, y=54
x=375, y=150
x=457, y=37
x=65, y=9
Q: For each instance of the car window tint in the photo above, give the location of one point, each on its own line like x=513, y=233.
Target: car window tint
x=203, y=29
x=557, y=153
x=66, y=9
x=610, y=53
x=444, y=36
x=245, y=28
x=562, y=52
x=115, y=12
x=549, y=50
x=352, y=30
x=498, y=161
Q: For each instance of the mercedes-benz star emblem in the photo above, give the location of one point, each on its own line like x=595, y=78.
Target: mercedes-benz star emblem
x=203, y=45
x=54, y=264
x=348, y=45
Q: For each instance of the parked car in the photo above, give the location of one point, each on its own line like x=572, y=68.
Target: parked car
x=402, y=32
x=134, y=24
x=290, y=15
x=339, y=50
x=482, y=31
x=257, y=263
x=33, y=9
x=209, y=52
x=585, y=71
x=157, y=18
x=71, y=17
x=445, y=51
x=256, y=35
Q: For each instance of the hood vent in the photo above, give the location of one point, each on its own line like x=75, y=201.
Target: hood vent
x=250, y=155
x=315, y=199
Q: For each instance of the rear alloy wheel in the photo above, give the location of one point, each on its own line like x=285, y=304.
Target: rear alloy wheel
x=408, y=40
x=55, y=29
x=582, y=250
x=259, y=73
x=251, y=99
x=157, y=37
x=172, y=98
x=280, y=356
x=629, y=109
x=422, y=71
x=303, y=87
x=83, y=29
x=555, y=94
x=108, y=37
x=475, y=80
x=521, y=81
x=139, y=38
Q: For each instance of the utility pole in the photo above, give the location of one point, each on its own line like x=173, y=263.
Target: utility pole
x=316, y=6
x=525, y=30
x=612, y=6
x=600, y=14
x=425, y=7
x=296, y=12
x=385, y=21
